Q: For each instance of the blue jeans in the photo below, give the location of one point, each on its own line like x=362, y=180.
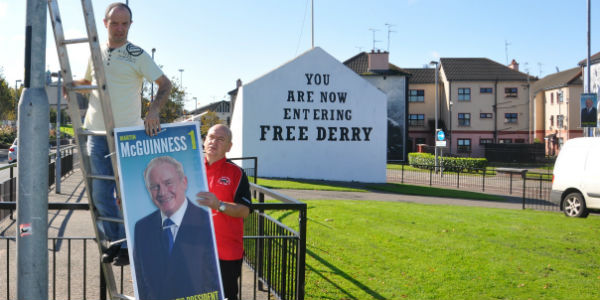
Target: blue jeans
x=103, y=191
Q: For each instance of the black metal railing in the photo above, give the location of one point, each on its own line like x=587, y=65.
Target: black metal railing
x=252, y=171
x=74, y=269
x=8, y=188
x=276, y=252
x=533, y=187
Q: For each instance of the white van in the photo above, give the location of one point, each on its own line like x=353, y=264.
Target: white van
x=576, y=179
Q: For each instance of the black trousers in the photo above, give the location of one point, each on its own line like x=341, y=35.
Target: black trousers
x=230, y=273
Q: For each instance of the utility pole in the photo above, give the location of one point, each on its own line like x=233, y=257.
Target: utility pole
x=152, y=83
x=312, y=26
x=506, y=44
x=16, y=100
x=32, y=178
x=436, y=111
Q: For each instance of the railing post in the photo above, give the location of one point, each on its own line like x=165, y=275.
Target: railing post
x=510, y=190
x=301, y=254
x=402, y=174
x=483, y=185
x=102, y=284
x=524, y=186
x=13, y=197
x=540, y=186
x=430, y=176
x=458, y=179
x=261, y=232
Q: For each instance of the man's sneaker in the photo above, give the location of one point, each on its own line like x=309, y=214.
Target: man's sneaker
x=110, y=253
x=122, y=259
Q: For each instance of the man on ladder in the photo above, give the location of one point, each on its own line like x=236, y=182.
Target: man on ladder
x=125, y=65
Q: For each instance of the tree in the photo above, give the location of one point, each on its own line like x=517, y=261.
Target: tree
x=8, y=102
x=207, y=121
x=172, y=109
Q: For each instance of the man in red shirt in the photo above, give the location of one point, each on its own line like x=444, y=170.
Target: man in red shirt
x=230, y=199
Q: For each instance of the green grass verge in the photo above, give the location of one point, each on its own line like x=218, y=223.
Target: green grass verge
x=383, y=250
x=408, y=189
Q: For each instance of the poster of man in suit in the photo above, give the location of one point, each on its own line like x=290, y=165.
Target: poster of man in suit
x=170, y=237
x=589, y=113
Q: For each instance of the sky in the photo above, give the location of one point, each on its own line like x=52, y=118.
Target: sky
x=217, y=42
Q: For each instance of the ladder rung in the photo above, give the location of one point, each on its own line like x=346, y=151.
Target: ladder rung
x=90, y=132
x=108, y=219
x=102, y=177
x=76, y=41
x=82, y=88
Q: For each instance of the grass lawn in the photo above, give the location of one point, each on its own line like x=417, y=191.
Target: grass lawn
x=383, y=250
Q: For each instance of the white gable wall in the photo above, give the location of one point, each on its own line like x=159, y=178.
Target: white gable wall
x=307, y=138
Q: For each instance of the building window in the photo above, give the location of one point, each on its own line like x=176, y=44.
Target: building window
x=487, y=90
x=464, y=94
x=511, y=117
x=464, y=119
x=551, y=98
x=485, y=115
x=416, y=95
x=505, y=141
x=416, y=120
x=419, y=141
x=551, y=120
x=560, y=121
x=559, y=97
x=485, y=141
x=511, y=92
x=519, y=141
x=464, y=145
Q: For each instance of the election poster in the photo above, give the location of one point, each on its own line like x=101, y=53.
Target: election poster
x=589, y=112
x=170, y=238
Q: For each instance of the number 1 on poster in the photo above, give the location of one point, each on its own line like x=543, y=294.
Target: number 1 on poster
x=193, y=136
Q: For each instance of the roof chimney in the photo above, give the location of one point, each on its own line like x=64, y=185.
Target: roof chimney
x=378, y=60
x=514, y=65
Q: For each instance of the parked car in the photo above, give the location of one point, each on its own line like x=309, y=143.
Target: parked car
x=576, y=179
x=12, y=152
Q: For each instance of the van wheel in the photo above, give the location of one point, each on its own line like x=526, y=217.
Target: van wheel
x=574, y=206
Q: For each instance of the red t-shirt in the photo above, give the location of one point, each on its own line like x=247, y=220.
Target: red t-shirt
x=229, y=183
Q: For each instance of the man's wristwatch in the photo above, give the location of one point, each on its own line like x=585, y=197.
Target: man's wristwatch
x=222, y=207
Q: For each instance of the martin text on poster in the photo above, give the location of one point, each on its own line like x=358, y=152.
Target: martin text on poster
x=170, y=237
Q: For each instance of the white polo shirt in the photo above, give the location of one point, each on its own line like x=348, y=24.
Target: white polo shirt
x=125, y=69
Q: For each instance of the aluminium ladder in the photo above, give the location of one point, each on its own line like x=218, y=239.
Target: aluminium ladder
x=80, y=133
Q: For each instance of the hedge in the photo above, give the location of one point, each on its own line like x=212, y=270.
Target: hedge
x=452, y=164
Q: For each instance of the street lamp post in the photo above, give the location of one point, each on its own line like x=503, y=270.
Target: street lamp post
x=195, y=103
x=450, y=127
x=436, y=110
x=152, y=83
x=181, y=78
x=16, y=100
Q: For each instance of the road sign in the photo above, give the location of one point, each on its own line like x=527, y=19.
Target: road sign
x=440, y=143
x=440, y=135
